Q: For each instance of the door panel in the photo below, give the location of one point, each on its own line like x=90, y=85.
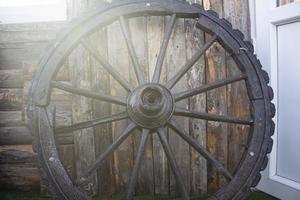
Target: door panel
x=275, y=34
x=288, y=120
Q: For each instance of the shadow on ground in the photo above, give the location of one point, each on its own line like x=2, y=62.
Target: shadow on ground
x=12, y=195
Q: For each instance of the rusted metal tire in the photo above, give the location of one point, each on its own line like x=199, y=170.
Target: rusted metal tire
x=260, y=94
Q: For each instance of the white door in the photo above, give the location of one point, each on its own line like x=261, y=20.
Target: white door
x=276, y=35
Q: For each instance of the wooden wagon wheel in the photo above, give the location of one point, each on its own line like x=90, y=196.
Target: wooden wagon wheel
x=150, y=105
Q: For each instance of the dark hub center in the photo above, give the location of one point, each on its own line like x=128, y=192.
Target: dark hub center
x=151, y=100
x=150, y=105
x=151, y=96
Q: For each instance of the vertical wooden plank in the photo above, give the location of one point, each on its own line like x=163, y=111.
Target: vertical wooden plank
x=79, y=67
x=81, y=111
x=145, y=180
x=102, y=133
x=176, y=58
x=66, y=153
x=119, y=58
x=103, y=137
x=237, y=12
x=100, y=81
x=216, y=104
x=196, y=78
x=155, y=30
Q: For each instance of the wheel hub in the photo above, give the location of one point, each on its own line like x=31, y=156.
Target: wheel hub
x=150, y=105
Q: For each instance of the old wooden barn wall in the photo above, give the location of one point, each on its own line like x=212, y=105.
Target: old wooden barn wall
x=20, y=49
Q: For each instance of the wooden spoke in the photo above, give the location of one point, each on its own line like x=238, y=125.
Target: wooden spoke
x=91, y=123
x=83, y=92
x=170, y=84
x=163, y=49
x=173, y=163
x=219, y=118
x=137, y=164
x=172, y=124
x=210, y=86
x=110, y=69
x=108, y=152
x=132, y=53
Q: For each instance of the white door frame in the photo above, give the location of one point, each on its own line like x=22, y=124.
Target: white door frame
x=266, y=18
x=285, y=15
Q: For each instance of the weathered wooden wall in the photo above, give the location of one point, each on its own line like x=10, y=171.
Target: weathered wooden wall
x=226, y=141
x=20, y=48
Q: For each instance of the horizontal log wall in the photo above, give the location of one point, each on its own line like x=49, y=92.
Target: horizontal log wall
x=21, y=46
x=18, y=168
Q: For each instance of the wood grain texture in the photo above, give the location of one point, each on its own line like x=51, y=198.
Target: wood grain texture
x=145, y=178
x=155, y=32
x=80, y=74
x=15, y=135
x=25, y=43
x=81, y=111
x=237, y=13
x=66, y=152
x=29, y=32
x=19, y=135
x=20, y=48
x=238, y=104
x=103, y=134
x=217, y=139
x=216, y=104
x=29, y=68
x=196, y=78
x=14, y=55
x=11, y=79
x=18, y=168
x=11, y=118
x=11, y=99
x=118, y=57
x=176, y=58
